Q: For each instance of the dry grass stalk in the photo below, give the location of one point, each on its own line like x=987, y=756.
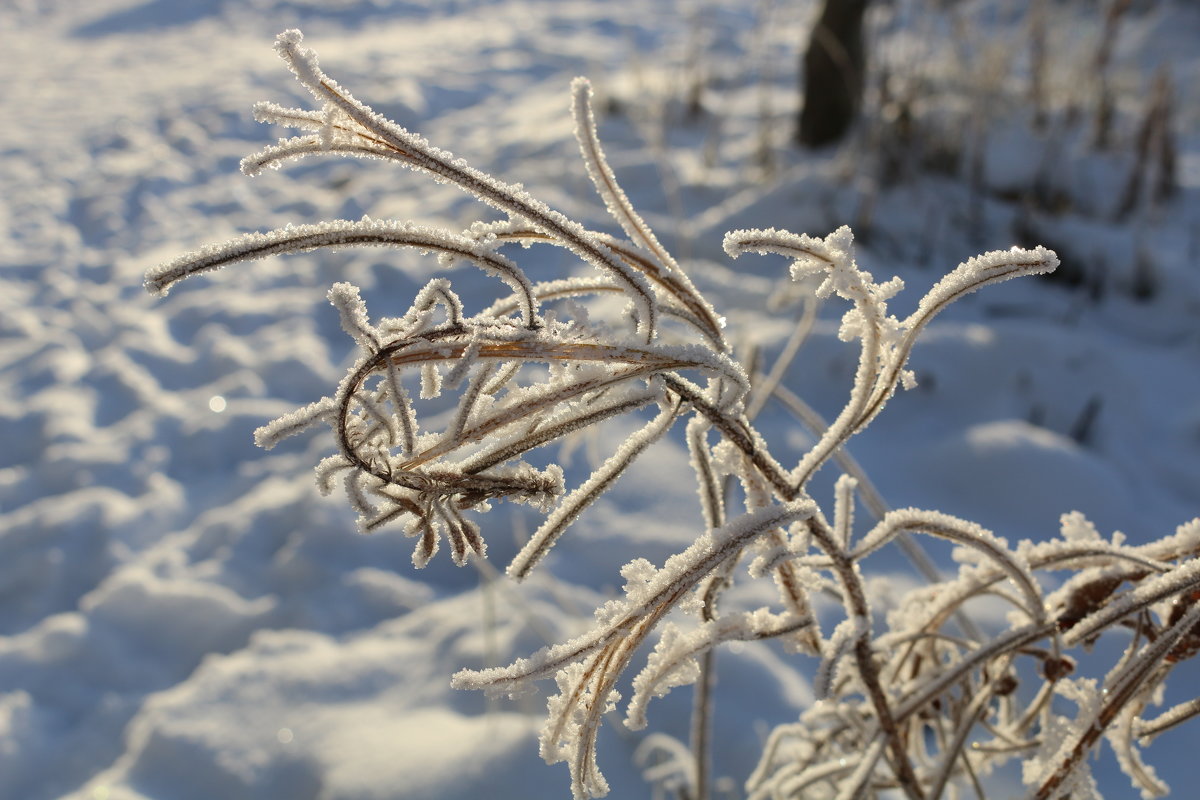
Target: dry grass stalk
x=917, y=699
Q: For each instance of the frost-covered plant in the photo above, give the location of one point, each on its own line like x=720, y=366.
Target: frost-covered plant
x=918, y=700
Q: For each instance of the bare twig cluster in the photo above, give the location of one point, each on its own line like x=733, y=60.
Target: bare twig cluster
x=919, y=699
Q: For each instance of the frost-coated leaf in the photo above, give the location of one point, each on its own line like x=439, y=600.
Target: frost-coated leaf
x=352, y=312
x=673, y=662
x=991, y=267
x=416, y=152
x=574, y=504
x=349, y=233
x=293, y=423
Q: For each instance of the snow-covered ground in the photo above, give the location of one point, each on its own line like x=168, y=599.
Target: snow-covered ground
x=183, y=616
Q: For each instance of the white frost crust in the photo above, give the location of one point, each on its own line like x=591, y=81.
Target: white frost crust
x=636, y=228
x=294, y=422
x=346, y=233
x=352, y=312
x=375, y=135
x=983, y=270
x=1059, y=736
x=673, y=661
x=698, y=559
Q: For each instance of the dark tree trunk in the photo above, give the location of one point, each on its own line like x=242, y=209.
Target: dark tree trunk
x=833, y=73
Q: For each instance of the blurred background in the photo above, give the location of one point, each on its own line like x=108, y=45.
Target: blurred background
x=183, y=616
